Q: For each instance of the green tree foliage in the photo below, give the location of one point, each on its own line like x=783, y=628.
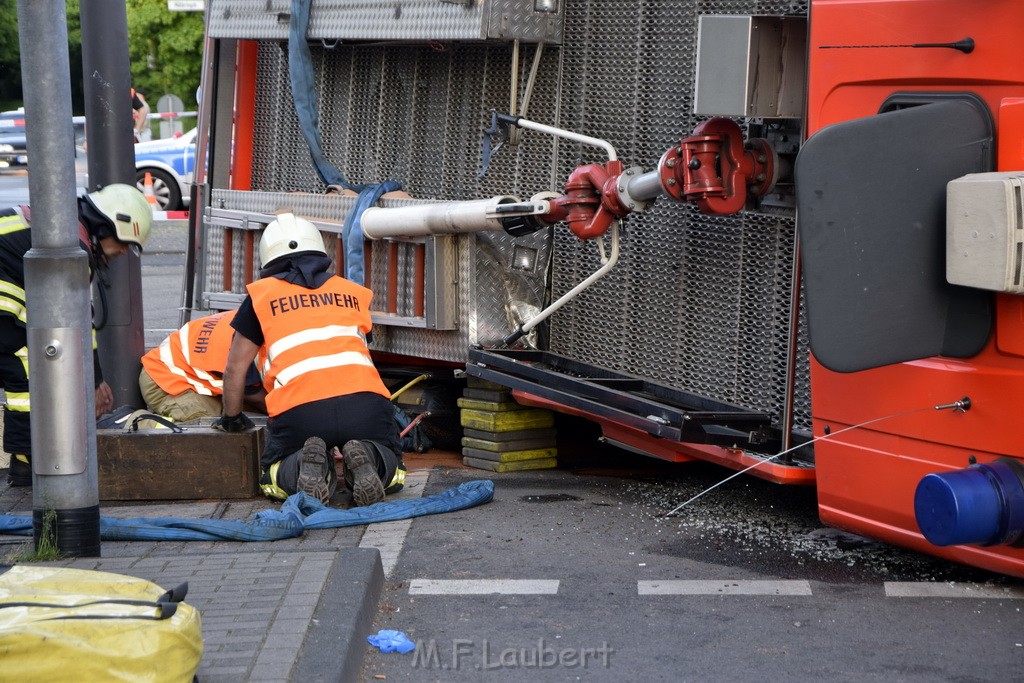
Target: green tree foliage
x=165, y=49
x=10, y=62
x=10, y=55
x=165, y=52
x=75, y=55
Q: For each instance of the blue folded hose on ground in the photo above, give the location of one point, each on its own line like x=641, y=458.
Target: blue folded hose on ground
x=298, y=513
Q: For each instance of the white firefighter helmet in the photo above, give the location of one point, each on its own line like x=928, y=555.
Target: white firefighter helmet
x=127, y=210
x=288, y=234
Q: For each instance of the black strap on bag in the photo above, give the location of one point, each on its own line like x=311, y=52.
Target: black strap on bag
x=166, y=603
x=127, y=418
x=139, y=417
x=116, y=418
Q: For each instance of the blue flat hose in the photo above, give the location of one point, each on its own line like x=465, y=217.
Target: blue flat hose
x=300, y=72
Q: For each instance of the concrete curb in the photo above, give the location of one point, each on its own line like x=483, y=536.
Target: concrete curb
x=335, y=641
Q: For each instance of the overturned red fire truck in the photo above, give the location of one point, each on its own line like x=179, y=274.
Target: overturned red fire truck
x=783, y=236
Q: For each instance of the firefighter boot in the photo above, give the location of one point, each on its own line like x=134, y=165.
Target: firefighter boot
x=361, y=473
x=317, y=476
x=20, y=473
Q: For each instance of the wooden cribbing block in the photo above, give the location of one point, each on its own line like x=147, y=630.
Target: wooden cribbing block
x=478, y=383
x=511, y=456
x=492, y=406
x=518, y=466
x=507, y=446
x=488, y=395
x=507, y=421
x=515, y=435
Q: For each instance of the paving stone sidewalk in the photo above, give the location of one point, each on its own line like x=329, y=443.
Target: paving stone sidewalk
x=259, y=601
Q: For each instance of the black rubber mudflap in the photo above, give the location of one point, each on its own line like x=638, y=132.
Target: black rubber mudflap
x=871, y=200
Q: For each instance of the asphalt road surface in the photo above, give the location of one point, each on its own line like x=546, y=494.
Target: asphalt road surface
x=575, y=574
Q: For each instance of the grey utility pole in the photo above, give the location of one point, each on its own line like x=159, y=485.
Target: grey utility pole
x=111, y=159
x=65, y=491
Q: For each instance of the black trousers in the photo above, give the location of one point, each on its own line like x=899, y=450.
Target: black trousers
x=362, y=417
x=14, y=380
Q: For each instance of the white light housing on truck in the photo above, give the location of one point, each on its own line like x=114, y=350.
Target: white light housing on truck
x=985, y=231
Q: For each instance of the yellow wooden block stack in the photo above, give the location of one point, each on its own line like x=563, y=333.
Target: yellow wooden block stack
x=501, y=435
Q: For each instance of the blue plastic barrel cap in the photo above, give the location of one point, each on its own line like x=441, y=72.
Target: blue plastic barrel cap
x=982, y=504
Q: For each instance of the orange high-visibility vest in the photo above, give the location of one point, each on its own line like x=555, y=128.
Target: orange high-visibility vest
x=314, y=341
x=193, y=357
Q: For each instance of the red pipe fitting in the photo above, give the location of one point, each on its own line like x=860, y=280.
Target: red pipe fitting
x=700, y=158
x=591, y=200
x=712, y=168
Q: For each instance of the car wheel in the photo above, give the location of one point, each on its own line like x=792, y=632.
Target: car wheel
x=165, y=188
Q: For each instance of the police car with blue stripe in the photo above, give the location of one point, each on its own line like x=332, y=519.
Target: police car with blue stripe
x=170, y=163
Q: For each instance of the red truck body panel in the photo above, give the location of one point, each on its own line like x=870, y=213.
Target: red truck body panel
x=867, y=476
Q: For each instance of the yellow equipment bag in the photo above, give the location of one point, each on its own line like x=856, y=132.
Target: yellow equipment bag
x=71, y=624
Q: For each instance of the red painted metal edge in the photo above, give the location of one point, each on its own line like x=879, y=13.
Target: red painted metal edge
x=674, y=451
x=998, y=559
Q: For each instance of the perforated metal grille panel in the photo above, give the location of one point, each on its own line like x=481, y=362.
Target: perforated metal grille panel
x=696, y=302
x=376, y=20
x=700, y=303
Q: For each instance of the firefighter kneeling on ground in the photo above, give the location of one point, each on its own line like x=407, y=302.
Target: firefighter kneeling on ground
x=309, y=330
x=182, y=378
x=110, y=222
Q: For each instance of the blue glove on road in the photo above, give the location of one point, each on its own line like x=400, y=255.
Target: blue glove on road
x=391, y=641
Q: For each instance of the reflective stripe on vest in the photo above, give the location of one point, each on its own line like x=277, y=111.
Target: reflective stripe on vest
x=189, y=358
x=306, y=336
x=10, y=224
x=12, y=300
x=12, y=297
x=18, y=401
x=314, y=341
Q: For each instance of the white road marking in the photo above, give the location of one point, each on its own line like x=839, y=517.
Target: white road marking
x=389, y=537
x=483, y=587
x=739, y=587
x=919, y=589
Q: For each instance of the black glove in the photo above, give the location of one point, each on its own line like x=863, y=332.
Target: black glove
x=233, y=423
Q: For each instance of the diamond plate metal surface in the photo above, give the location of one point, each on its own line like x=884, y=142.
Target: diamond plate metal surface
x=406, y=20
x=698, y=302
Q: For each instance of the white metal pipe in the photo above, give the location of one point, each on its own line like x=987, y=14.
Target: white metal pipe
x=569, y=135
x=446, y=218
x=572, y=293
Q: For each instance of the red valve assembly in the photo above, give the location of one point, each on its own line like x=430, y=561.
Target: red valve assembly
x=714, y=169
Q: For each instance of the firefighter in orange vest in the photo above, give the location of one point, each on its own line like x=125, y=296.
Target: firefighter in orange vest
x=309, y=329
x=183, y=377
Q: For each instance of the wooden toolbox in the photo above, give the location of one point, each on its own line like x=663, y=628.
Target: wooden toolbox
x=195, y=463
